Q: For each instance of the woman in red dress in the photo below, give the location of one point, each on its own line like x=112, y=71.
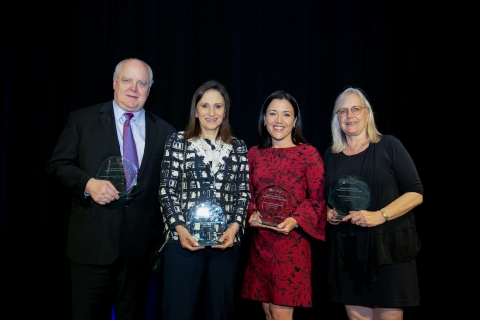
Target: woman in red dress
x=278, y=271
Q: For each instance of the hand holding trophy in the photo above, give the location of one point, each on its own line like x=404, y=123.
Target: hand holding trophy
x=275, y=204
x=122, y=173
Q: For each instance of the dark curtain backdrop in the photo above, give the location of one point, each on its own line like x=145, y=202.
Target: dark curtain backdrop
x=59, y=57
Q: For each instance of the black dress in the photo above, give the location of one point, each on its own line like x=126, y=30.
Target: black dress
x=375, y=266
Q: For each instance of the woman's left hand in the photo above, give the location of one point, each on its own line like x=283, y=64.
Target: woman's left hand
x=364, y=218
x=284, y=227
x=228, y=237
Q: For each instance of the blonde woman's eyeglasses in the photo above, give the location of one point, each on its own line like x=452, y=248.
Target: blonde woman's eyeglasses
x=342, y=113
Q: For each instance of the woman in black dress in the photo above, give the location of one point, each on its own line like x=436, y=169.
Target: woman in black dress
x=371, y=250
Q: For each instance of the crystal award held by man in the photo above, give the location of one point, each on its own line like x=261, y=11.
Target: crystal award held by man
x=122, y=173
x=349, y=193
x=275, y=204
x=207, y=224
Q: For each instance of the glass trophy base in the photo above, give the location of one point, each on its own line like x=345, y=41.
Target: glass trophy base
x=125, y=198
x=208, y=243
x=266, y=223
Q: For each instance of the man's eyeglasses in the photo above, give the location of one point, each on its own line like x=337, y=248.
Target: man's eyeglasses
x=342, y=113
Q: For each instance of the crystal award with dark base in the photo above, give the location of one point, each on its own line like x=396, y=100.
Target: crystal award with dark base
x=349, y=193
x=122, y=173
x=275, y=204
x=207, y=224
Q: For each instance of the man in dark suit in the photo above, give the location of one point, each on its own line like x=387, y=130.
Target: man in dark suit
x=109, y=240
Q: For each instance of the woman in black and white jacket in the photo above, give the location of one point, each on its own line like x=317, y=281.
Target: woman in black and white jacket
x=215, y=174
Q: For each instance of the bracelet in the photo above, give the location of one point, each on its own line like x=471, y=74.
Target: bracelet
x=384, y=214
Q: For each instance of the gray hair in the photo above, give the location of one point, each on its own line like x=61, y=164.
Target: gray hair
x=120, y=65
x=339, y=141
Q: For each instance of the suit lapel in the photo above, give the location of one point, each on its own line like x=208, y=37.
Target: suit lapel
x=107, y=118
x=151, y=129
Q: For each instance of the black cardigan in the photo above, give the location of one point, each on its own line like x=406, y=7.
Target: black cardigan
x=390, y=172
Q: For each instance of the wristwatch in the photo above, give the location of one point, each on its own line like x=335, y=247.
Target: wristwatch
x=384, y=215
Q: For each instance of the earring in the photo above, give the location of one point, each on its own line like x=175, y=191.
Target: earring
x=264, y=124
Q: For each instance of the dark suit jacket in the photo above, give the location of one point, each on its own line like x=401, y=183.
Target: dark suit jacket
x=100, y=234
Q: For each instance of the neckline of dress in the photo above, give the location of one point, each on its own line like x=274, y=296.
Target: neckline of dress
x=217, y=143
x=284, y=148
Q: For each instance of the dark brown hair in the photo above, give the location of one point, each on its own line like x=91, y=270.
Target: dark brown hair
x=265, y=140
x=193, y=129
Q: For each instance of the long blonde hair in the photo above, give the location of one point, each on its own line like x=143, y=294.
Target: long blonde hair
x=339, y=140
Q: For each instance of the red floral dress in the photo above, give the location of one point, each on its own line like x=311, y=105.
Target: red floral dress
x=279, y=267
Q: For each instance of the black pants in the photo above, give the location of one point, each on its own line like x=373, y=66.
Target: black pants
x=200, y=285
x=95, y=289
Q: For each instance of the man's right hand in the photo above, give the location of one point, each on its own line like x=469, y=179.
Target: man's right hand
x=101, y=191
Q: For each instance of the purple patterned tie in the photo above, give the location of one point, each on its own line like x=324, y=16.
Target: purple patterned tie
x=129, y=150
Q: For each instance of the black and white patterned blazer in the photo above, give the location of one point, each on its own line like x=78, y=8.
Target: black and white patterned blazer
x=226, y=185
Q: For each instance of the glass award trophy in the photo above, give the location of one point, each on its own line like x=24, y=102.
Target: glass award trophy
x=207, y=224
x=122, y=173
x=349, y=193
x=275, y=204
